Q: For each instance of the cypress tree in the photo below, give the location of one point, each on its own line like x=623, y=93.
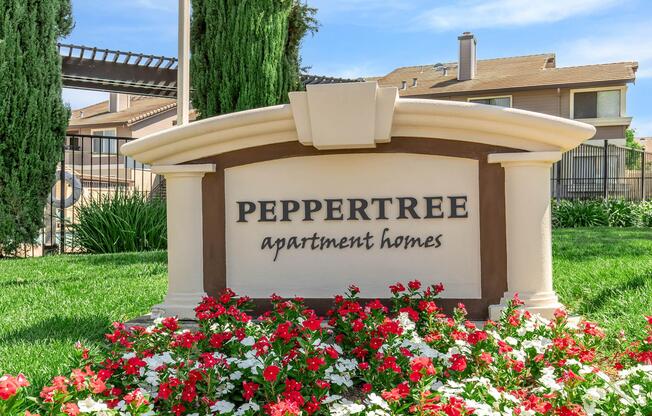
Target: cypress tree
x=245, y=53
x=33, y=118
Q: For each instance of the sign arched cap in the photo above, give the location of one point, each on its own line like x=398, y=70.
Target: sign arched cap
x=358, y=115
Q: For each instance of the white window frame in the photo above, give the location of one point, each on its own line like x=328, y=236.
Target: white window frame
x=115, y=134
x=490, y=97
x=623, y=120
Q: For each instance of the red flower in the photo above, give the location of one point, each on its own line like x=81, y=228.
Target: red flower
x=366, y=388
x=399, y=392
x=313, y=324
x=458, y=363
x=414, y=285
x=164, y=391
x=250, y=389
x=170, y=323
x=358, y=325
x=133, y=365
x=271, y=372
x=178, y=409
x=397, y=288
x=315, y=363
x=8, y=387
x=375, y=343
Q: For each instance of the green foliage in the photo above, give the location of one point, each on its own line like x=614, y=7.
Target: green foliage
x=622, y=213
x=573, y=214
x=593, y=213
x=245, y=53
x=120, y=223
x=645, y=212
x=633, y=158
x=33, y=117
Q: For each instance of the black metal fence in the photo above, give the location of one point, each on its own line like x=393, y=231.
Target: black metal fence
x=602, y=170
x=90, y=167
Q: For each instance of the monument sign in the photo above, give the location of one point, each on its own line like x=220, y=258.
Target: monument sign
x=350, y=184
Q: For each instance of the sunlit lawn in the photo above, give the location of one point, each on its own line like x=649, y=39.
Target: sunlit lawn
x=47, y=304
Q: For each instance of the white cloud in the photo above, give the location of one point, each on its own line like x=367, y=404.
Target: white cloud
x=613, y=46
x=82, y=98
x=472, y=14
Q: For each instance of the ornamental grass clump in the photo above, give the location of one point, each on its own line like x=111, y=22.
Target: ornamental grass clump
x=121, y=222
x=362, y=358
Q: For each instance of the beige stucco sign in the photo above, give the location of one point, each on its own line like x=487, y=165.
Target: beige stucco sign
x=350, y=184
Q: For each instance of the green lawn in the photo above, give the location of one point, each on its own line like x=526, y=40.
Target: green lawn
x=48, y=304
x=605, y=275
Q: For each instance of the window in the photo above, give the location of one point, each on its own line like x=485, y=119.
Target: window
x=105, y=146
x=499, y=101
x=597, y=104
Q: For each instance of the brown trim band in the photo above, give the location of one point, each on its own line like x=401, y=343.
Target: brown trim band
x=493, y=250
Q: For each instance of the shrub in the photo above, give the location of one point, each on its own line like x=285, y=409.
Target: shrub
x=622, y=213
x=572, y=214
x=371, y=360
x=119, y=223
x=591, y=213
x=645, y=213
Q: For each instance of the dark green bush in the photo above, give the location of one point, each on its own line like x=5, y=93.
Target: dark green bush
x=120, y=223
x=592, y=213
x=572, y=214
x=622, y=213
x=645, y=213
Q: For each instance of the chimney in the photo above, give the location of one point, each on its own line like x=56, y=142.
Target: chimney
x=467, y=64
x=118, y=102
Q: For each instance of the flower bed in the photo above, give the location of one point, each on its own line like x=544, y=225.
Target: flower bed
x=368, y=360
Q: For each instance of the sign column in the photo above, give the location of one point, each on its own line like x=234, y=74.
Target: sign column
x=185, y=243
x=527, y=214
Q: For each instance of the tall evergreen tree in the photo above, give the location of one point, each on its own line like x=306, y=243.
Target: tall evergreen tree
x=33, y=118
x=245, y=53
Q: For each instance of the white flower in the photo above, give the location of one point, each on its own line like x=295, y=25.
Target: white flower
x=331, y=399
x=89, y=405
x=248, y=342
x=245, y=408
x=346, y=408
x=405, y=322
x=236, y=375
x=375, y=399
x=222, y=407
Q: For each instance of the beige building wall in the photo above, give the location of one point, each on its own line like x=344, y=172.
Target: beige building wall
x=552, y=101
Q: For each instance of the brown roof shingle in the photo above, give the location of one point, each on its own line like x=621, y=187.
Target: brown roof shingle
x=519, y=72
x=140, y=109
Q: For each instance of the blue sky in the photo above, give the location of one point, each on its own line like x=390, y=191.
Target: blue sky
x=371, y=37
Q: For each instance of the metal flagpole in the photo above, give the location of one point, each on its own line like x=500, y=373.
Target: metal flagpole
x=183, y=69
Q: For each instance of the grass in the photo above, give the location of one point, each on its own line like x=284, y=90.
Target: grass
x=605, y=275
x=47, y=304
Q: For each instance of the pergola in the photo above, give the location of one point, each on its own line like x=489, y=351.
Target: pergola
x=91, y=68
